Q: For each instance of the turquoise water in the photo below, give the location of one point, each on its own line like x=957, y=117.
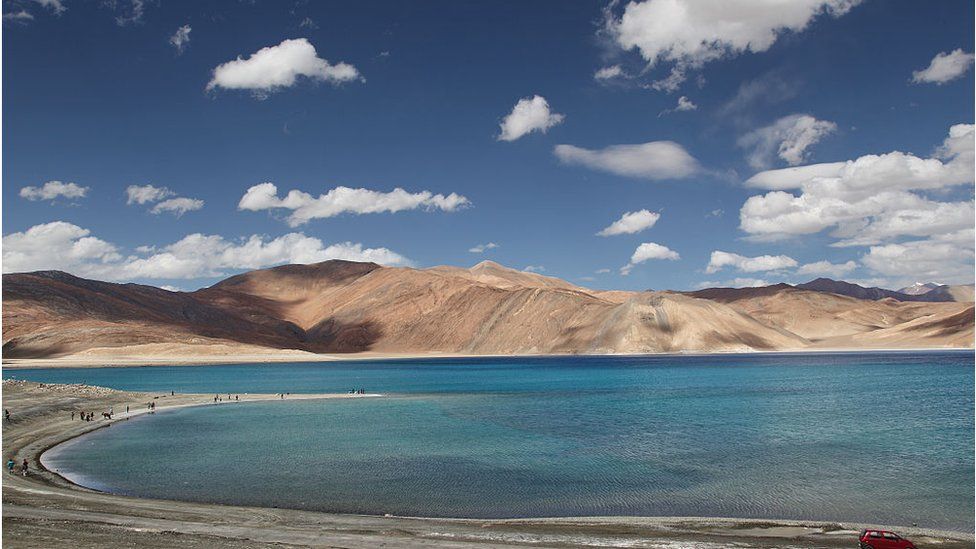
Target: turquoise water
x=884, y=438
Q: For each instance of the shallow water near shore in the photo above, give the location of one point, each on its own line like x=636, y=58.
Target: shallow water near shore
x=865, y=437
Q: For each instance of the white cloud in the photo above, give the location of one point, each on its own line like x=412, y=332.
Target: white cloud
x=631, y=223
x=64, y=246
x=947, y=258
x=867, y=200
x=534, y=269
x=690, y=33
x=648, y=251
x=146, y=194
x=482, y=248
x=653, y=160
x=530, y=114
x=788, y=138
x=180, y=38
x=308, y=23
x=177, y=206
x=56, y=245
x=20, y=15
x=54, y=189
x=684, y=104
x=341, y=200
x=275, y=67
x=142, y=194
x=199, y=255
x=826, y=268
x=720, y=260
x=794, y=178
x=944, y=67
x=609, y=73
x=737, y=282
x=56, y=6
x=602, y=271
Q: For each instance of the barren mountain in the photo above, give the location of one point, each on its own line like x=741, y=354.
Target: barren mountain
x=341, y=306
x=834, y=320
x=916, y=292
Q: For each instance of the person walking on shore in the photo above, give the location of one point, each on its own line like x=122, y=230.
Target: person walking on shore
x=24, y=467
x=10, y=465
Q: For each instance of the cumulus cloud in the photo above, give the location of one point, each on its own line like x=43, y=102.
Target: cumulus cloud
x=789, y=138
x=482, y=248
x=276, y=67
x=737, y=282
x=54, y=189
x=143, y=194
x=947, y=258
x=177, y=206
x=631, y=223
x=646, y=252
x=826, y=268
x=341, y=200
x=720, y=260
x=56, y=245
x=609, y=73
x=64, y=246
x=653, y=160
x=530, y=114
x=944, y=67
x=689, y=33
x=867, y=200
x=180, y=38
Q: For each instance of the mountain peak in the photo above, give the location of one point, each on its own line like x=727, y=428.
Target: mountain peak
x=920, y=288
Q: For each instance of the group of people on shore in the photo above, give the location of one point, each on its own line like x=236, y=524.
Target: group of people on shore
x=218, y=398
x=24, y=467
x=89, y=416
x=358, y=392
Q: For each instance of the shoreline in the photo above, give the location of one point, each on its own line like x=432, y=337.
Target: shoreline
x=148, y=361
x=48, y=496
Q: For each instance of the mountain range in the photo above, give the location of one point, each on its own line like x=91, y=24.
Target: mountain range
x=351, y=307
x=918, y=292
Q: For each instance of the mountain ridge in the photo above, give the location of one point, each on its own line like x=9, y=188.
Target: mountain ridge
x=352, y=307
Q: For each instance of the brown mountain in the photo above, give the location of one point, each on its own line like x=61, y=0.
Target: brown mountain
x=345, y=307
x=918, y=292
x=830, y=320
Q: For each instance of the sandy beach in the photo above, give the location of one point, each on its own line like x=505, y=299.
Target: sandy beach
x=45, y=509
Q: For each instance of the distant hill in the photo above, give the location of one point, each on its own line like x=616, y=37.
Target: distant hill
x=349, y=307
x=940, y=292
x=935, y=293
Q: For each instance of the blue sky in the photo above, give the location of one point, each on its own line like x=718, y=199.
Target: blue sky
x=383, y=95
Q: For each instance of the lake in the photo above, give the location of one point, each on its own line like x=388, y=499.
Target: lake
x=867, y=437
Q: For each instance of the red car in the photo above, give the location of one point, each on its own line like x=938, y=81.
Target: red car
x=883, y=539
